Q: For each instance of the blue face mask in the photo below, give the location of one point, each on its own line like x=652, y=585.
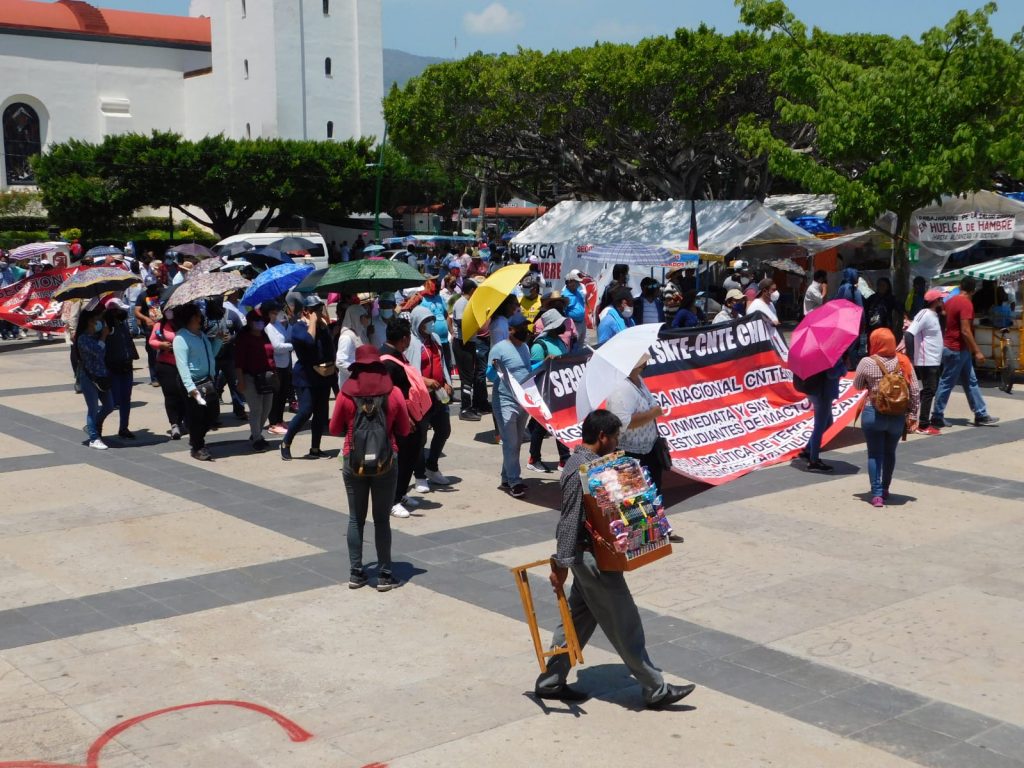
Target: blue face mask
x=98, y=326
x=386, y=314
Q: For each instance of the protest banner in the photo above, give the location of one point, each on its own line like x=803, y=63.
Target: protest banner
x=729, y=403
x=29, y=303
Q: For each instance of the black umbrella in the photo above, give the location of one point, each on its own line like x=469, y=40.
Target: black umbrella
x=293, y=244
x=266, y=257
x=233, y=249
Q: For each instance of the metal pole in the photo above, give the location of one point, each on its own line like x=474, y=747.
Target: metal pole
x=380, y=173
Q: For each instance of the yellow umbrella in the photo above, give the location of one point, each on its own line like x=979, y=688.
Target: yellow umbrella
x=490, y=295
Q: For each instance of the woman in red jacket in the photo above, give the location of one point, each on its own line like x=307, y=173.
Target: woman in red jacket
x=369, y=388
x=254, y=361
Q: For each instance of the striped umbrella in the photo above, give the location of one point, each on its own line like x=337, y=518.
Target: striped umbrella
x=91, y=282
x=640, y=254
x=206, y=286
x=31, y=251
x=1009, y=269
x=102, y=251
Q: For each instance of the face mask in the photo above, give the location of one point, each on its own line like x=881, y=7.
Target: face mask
x=744, y=281
x=427, y=328
x=387, y=314
x=775, y=296
x=258, y=325
x=626, y=313
x=98, y=326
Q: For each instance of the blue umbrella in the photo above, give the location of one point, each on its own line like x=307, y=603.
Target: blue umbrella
x=275, y=281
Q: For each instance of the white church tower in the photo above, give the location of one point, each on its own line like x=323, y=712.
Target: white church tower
x=294, y=69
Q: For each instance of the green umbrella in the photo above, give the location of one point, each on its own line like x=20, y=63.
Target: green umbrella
x=370, y=275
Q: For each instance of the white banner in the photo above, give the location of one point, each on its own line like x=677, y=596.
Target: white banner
x=965, y=227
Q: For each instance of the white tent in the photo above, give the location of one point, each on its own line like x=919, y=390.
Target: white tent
x=562, y=236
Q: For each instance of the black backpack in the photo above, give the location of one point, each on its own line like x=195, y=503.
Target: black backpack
x=811, y=385
x=371, y=453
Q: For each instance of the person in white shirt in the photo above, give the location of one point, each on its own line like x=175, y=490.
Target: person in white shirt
x=638, y=410
x=765, y=300
x=816, y=292
x=280, y=335
x=734, y=300
x=926, y=329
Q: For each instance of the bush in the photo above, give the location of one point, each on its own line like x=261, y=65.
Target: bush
x=23, y=223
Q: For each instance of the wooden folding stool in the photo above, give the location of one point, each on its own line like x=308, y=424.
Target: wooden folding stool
x=572, y=643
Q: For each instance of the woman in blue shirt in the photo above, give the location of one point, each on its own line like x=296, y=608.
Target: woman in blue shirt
x=195, y=356
x=93, y=378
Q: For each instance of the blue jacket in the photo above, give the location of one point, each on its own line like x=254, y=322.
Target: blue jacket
x=195, y=357
x=611, y=324
x=575, y=303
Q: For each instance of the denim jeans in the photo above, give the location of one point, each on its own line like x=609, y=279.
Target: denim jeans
x=362, y=492
x=314, y=404
x=957, y=367
x=121, y=389
x=511, y=427
x=98, y=406
x=822, y=405
x=882, y=434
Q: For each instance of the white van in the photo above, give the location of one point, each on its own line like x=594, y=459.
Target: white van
x=317, y=257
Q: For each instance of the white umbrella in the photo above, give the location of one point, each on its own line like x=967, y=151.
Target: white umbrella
x=611, y=363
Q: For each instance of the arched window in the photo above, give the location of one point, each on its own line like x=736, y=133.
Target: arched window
x=21, y=141
x=327, y=7
x=248, y=131
x=245, y=68
x=327, y=66
x=330, y=129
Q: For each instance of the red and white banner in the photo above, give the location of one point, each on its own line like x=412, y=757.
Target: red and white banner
x=965, y=227
x=29, y=303
x=729, y=402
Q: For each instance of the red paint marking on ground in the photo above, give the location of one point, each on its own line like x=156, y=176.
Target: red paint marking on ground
x=92, y=759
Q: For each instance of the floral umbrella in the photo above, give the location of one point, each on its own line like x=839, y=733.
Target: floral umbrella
x=206, y=286
x=91, y=282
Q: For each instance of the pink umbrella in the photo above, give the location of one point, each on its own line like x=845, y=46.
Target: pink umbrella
x=823, y=337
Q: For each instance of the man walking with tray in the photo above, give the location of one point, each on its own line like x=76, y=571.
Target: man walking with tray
x=597, y=598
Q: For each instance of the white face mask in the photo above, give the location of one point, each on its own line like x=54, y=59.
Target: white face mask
x=774, y=297
x=626, y=313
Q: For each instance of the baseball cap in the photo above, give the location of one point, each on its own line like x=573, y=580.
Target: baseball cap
x=933, y=295
x=734, y=294
x=533, y=260
x=552, y=319
x=518, y=319
x=116, y=303
x=575, y=275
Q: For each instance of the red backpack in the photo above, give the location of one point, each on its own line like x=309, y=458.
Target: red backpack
x=418, y=400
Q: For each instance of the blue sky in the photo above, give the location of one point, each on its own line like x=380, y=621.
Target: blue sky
x=455, y=27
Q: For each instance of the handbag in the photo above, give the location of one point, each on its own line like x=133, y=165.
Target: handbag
x=206, y=388
x=326, y=369
x=267, y=382
x=661, y=451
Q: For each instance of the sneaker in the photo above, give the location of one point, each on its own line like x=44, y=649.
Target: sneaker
x=885, y=495
x=518, y=491
x=804, y=455
x=399, y=511
x=469, y=416
x=386, y=582
x=154, y=383
x=278, y=429
x=878, y=501
x=410, y=502
x=126, y=434
x=505, y=487
x=202, y=455
x=538, y=466
x=941, y=423
x=819, y=466
x=357, y=579
x=435, y=476
x=422, y=486
x=986, y=421
x=98, y=444
x=175, y=432
x=286, y=452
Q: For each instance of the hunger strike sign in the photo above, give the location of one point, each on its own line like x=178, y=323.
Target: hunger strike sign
x=729, y=402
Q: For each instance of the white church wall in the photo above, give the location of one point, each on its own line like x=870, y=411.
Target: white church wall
x=370, y=53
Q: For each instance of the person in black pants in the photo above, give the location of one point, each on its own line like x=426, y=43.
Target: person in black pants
x=194, y=356
x=410, y=446
x=313, y=375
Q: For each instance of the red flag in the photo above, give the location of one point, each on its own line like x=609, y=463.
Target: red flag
x=693, y=226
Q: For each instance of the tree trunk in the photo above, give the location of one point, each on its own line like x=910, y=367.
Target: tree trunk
x=900, y=255
x=483, y=205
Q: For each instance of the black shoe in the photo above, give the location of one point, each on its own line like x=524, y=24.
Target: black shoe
x=562, y=693
x=126, y=434
x=202, y=455
x=505, y=487
x=517, y=491
x=357, y=579
x=819, y=466
x=240, y=414
x=804, y=455
x=386, y=582
x=941, y=424
x=286, y=452
x=485, y=408
x=469, y=416
x=315, y=453
x=675, y=693
x=260, y=445
x=986, y=421
x=175, y=432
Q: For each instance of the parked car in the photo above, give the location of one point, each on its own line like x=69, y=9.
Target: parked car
x=317, y=255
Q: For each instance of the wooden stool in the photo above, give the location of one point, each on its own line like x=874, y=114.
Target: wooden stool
x=572, y=643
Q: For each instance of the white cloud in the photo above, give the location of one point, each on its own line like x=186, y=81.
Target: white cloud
x=495, y=19
x=614, y=31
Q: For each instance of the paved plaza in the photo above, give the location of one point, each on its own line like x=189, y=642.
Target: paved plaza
x=820, y=631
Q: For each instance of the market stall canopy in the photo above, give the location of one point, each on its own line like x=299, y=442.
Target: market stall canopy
x=722, y=226
x=1005, y=271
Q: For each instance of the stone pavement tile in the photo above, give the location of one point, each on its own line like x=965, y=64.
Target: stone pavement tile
x=717, y=675
x=963, y=755
x=987, y=463
x=903, y=739
x=138, y=551
x=915, y=645
x=766, y=660
x=1005, y=739
x=20, y=587
x=887, y=699
x=716, y=644
x=837, y=716
x=759, y=618
x=822, y=679
x=59, y=736
x=952, y=721
x=775, y=694
x=836, y=593
x=11, y=447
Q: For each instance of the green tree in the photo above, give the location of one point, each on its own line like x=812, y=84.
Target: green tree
x=887, y=124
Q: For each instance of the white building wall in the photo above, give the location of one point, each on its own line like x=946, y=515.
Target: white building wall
x=371, y=68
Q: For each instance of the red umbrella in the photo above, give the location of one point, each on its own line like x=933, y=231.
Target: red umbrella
x=823, y=337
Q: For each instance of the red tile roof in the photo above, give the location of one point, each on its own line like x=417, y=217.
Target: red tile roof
x=80, y=18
